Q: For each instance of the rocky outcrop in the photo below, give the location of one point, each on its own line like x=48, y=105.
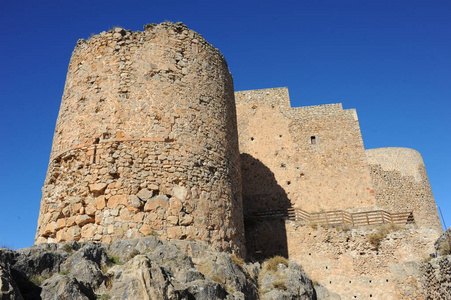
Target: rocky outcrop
x=145, y=268
x=436, y=278
x=436, y=273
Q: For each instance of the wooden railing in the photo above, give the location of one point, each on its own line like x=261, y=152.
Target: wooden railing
x=338, y=217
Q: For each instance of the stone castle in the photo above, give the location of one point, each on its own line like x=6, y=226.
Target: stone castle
x=152, y=140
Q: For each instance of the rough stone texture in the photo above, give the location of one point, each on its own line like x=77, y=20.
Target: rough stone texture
x=436, y=278
x=282, y=165
x=8, y=288
x=443, y=244
x=436, y=272
x=401, y=184
x=286, y=282
x=145, y=143
x=144, y=268
x=346, y=262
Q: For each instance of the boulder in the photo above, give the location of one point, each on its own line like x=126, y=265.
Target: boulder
x=8, y=288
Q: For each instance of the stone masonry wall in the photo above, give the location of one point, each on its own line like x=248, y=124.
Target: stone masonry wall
x=401, y=184
x=436, y=278
x=436, y=272
x=308, y=157
x=349, y=262
x=145, y=142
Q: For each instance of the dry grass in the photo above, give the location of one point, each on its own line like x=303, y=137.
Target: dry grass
x=133, y=254
x=376, y=238
x=271, y=264
x=217, y=279
x=237, y=260
x=280, y=285
x=344, y=227
x=270, y=267
x=68, y=248
x=444, y=248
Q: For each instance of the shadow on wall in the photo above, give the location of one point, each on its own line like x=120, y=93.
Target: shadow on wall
x=265, y=237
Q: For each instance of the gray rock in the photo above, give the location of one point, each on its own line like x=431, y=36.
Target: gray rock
x=144, y=268
x=287, y=282
x=43, y=259
x=94, y=252
x=88, y=273
x=323, y=294
x=8, y=288
x=140, y=279
x=206, y=290
x=65, y=287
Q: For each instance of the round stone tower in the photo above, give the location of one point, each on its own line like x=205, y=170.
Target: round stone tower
x=145, y=143
x=401, y=184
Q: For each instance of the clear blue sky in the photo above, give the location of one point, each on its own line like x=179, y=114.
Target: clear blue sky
x=388, y=59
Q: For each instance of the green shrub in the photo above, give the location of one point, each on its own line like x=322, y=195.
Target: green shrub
x=114, y=260
x=38, y=280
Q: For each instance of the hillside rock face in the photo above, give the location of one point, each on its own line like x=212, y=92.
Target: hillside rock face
x=436, y=273
x=146, y=268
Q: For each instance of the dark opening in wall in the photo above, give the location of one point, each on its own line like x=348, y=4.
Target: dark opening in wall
x=252, y=138
x=313, y=140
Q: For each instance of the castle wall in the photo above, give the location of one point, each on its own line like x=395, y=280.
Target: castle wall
x=348, y=262
x=310, y=157
x=145, y=142
x=401, y=184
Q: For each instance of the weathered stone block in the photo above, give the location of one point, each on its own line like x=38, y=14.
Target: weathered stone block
x=98, y=187
x=144, y=194
x=116, y=200
x=174, y=232
x=84, y=219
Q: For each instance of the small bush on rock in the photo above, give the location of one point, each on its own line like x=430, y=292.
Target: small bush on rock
x=272, y=263
x=376, y=238
x=444, y=248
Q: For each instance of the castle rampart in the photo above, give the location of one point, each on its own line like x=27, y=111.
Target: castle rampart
x=315, y=153
x=145, y=142
x=401, y=184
